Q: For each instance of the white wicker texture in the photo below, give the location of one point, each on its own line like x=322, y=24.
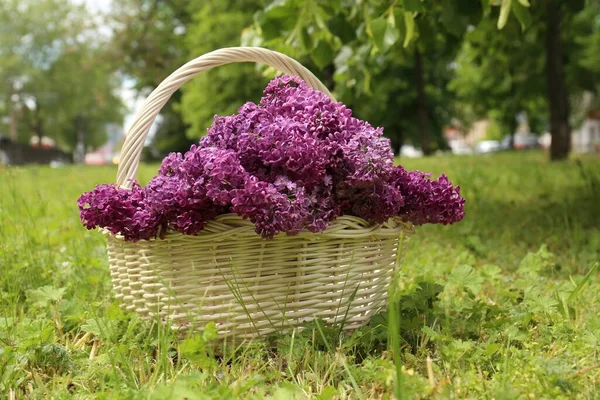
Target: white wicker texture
x=228, y=274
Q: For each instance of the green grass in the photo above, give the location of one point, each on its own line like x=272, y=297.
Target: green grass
x=503, y=305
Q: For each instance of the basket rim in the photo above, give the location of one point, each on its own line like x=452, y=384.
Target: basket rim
x=233, y=226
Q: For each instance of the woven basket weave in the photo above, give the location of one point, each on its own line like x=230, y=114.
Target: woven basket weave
x=249, y=286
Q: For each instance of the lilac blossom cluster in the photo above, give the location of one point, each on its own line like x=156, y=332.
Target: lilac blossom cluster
x=297, y=160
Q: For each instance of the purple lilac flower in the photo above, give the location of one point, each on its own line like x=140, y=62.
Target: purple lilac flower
x=120, y=211
x=191, y=190
x=296, y=160
x=427, y=201
x=270, y=210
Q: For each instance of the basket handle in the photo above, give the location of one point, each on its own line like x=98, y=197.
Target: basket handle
x=136, y=136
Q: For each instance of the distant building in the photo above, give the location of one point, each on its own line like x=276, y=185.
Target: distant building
x=107, y=154
x=452, y=133
x=587, y=138
x=47, y=142
x=12, y=153
x=477, y=132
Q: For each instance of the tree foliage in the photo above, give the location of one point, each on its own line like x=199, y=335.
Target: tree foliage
x=500, y=73
x=149, y=45
x=216, y=24
x=408, y=65
x=502, y=55
x=384, y=91
x=154, y=38
x=56, y=82
x=148, y=41
x=392, y=60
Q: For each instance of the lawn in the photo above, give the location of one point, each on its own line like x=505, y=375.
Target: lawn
x=503, y=305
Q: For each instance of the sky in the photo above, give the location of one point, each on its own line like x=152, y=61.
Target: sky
x=96, y=5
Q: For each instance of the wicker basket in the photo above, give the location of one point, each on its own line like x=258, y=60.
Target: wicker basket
x=246, y=285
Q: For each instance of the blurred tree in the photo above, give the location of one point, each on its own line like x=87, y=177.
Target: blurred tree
x=364, y=37
x=493, y=131
x=49, y=51
x=88, y=100
x=403, y=91
x=587, y=24
x=154, y=38
x=558, y=95
x=148, y=45
x=501, y=73
x=583, y=70
x=217, y=24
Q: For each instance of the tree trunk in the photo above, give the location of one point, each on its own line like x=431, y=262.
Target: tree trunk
x=557, y=88
x=512, y=129
x=79, y=152
x=510, y=123
x=79, y=130
x=327, y=74
x=422, y=105
x=396, y=141
x=12, y=113
x=13, y=121
x=38, y=127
